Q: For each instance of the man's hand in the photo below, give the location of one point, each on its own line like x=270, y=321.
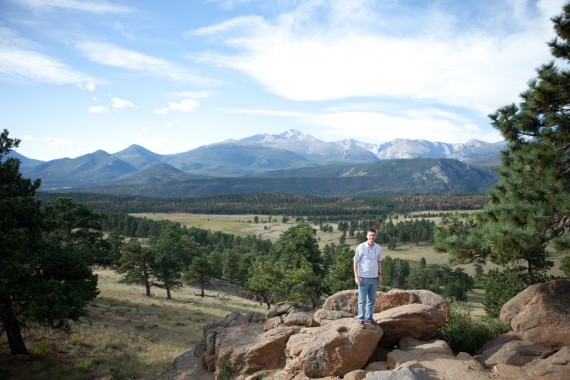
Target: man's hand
x=358, y=281
x=380, y=278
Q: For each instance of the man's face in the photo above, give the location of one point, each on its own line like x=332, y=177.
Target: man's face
x=371, y=236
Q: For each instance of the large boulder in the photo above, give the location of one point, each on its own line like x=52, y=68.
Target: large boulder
x=347, y=300
x=248, y=348
x=414, y=320
x=335, y=349
x=515, y=352
x=541, y=314
x=324, y=316
x=555, y=367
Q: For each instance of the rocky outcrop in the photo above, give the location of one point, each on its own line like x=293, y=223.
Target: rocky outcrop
x=413, y=320
x=538, y=346
x=541, y=314
x=347, y=300
x=332, y=350
x=293, y=343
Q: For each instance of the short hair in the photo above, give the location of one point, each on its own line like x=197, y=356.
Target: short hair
x=371, y=230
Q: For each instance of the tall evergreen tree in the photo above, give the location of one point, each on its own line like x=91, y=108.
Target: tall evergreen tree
x=199, y=272
x=45, y=276
x=530, y=207
x=296, y=243
x=172, y=253
x=135, y=264
x=340, y=275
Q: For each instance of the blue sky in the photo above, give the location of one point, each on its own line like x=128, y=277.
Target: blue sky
x=82, y=75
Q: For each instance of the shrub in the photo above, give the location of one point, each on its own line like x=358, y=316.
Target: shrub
x=223, y=369
x=464, y=333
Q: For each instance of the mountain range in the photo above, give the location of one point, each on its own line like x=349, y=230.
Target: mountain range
x=275, y=162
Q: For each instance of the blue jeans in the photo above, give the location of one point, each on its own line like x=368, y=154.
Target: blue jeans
x=366, y=298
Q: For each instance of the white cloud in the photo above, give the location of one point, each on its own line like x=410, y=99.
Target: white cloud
x=87, y=86
x=243, y=22
x=18, y=60
x=129, y=35
x=76, y=5
x=186, y=105
x=121, y=103
x=116, y=56
x=98, y=109
x=363, y=122
x=305, y=56
x=380, y=127
x=192, y=94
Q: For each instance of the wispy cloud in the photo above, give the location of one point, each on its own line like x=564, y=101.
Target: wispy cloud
x=364, y=122
x=192, y=94
x=20, y=60
x=186, y=105
x=244, y=23
x=304, y=56
x=76, y=5
x=87, y=86
x=98, y=109
x=116, y=56
x=121, y=103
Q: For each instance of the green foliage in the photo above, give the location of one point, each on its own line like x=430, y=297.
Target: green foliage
x=172, y=252
x=293, y=271
x=464, y=333
x=395, y=271
x=277, y=204
x=443, y=280
x=265, y=279
x=529, y=209
x=224, y=369
x=46, y=255
x=501, y=286
x=297, y=243
x=199, y=272
x=565, y=266
x=135, y=264
x=341, y=273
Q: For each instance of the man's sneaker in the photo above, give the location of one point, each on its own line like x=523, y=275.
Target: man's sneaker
x=361, y=324
x=372, y=322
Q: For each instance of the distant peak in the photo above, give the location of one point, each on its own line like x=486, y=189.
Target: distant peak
x=292, y=134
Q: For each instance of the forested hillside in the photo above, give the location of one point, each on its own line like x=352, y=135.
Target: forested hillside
x=277, y=204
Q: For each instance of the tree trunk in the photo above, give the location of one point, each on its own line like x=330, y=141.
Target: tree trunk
x=168, y=296
x=530, y=274
x=15, y=340
x=146, y=281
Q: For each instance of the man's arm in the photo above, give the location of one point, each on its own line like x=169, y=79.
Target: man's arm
x=380, y=278
x=356, y=276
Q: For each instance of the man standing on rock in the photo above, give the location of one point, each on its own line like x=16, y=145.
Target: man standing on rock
x=367, y=270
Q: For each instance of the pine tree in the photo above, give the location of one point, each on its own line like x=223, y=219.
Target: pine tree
x=45, y=260
x=529, y=209
x=172, y=253
x=199, y=272
x=135, y=264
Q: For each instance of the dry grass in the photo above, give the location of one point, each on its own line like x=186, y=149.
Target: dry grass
x=125, y=334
